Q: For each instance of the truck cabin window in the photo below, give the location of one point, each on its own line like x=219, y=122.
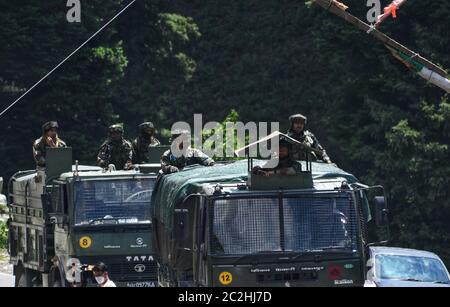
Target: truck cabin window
x=101, y=202
x=254, y=225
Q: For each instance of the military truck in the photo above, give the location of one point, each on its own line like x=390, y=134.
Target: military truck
x=224, y=226
x=65, y=218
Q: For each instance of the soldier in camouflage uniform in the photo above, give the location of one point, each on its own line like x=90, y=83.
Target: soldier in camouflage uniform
x=143, y=142
x=49, y=139
x=286, y=164
x=172, y=164
x=115, y=150
x=299, y=133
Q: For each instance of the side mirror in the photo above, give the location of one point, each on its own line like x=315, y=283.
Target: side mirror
x=381, y=211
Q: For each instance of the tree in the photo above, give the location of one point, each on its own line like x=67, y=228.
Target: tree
x=419, y=179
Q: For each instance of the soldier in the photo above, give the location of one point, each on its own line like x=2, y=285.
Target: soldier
x=49, y=139
x=188, y=156
x=115, y=150
x=298, y=132
x=286, y=165
x=143, y=142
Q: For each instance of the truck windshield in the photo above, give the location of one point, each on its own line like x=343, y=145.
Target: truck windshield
x=125, y=201
x=294, y=224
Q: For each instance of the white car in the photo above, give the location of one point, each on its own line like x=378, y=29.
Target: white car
x=402, y=267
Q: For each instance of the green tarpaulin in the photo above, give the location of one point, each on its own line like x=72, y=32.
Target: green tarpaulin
x=172, y=189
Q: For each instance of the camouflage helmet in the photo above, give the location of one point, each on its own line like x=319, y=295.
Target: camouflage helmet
x=296, y=117
x=49, y=125
x=116, y=128
x=146, y=125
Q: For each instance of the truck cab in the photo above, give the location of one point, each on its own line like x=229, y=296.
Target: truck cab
x=223, y=227
x=64, y=219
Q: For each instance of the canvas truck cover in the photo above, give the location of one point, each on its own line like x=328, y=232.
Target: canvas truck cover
x=172, y=189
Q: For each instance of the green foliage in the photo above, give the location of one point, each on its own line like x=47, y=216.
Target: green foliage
x=3, y=235
x=179, y=27
x=418, y=161
x=228, y=141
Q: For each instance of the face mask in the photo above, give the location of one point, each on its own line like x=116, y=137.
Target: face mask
x=100, y=279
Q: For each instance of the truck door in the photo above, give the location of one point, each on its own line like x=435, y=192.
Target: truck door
x=200, y=241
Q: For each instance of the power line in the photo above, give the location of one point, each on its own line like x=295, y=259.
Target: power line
x=67, y=58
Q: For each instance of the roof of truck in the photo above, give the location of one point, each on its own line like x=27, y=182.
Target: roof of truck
x=173, y=188
x=94, y=172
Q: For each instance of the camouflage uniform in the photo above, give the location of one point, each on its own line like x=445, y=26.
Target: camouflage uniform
x=142, y=144
x=172, y=164
x=40, y=145
x=286, y=166
x=118, y=152
x=308, y=138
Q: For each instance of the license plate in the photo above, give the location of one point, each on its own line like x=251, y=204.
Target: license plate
x=141, y=284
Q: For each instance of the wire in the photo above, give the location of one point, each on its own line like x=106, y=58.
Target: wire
x=67, y=58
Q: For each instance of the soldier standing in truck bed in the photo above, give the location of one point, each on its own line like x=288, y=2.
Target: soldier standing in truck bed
x=286, y=164
x=172, y=162
x=115, y=150
x=49, y=138
x=143, y=142
x=298, y=132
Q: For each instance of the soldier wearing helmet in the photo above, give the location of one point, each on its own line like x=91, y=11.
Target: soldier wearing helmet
x=49, y=138
x=115, y=150
x=298, y=132
x=143, y=142
x=286, y=165
x=181, y=154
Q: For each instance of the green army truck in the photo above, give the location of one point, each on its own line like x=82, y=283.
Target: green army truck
x=224, y=226
x=64, y=219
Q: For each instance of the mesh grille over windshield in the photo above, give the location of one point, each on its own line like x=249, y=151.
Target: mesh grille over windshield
x=243, y=226
x=113, y=201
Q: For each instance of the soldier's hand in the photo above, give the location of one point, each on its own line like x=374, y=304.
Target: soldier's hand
x=101, y=163
x=50, y=142
x=173, y=169
x=327, y=160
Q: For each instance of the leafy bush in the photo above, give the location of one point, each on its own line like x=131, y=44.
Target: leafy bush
x=3, y=235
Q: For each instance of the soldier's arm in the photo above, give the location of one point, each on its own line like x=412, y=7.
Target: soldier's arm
x=202, y=158
x=39, y=154
x=317, y=145
x=103, y=156
x=61, y=143
x=129, y=163
x=166, y=165
x=135, y=151
x=155, y=142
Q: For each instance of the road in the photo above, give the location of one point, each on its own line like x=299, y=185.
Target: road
x=6, y=277
x=6, y=280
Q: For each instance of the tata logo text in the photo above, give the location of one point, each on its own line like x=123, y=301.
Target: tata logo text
x=139, y=258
